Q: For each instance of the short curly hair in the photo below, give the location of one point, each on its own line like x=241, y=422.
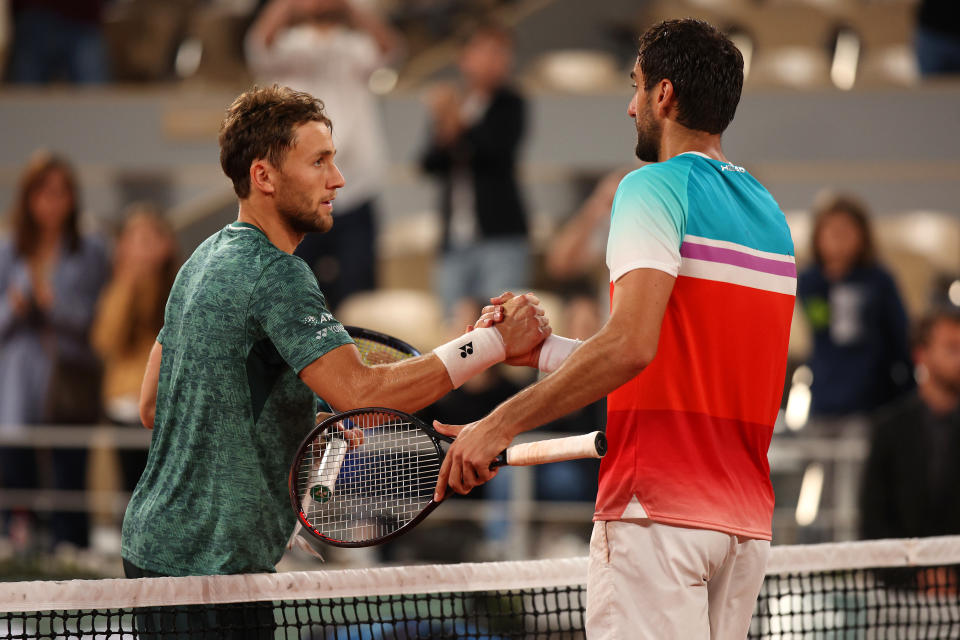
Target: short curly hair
x=260, y=124
x=704, y=66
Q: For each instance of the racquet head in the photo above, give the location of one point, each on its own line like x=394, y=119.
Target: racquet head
x=375, y=348
x=365, y=476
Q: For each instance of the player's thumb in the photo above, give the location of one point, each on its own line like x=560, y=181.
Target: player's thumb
x=447, y=429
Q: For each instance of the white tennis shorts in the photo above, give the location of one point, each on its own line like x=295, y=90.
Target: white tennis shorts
x=650, y=581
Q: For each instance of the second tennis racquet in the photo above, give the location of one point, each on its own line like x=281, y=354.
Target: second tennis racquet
x=366, y=476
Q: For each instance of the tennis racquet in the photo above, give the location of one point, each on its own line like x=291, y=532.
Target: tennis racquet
x=366, y=476
x=375, y=348
x=379, y=348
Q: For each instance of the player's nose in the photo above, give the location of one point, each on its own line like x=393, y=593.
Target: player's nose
x=336, y=179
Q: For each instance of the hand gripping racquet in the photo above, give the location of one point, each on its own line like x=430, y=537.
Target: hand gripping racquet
x=366, y=476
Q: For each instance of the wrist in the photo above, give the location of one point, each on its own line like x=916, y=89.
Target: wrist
x=500, y=426
x=471, y=353
x=554, y=351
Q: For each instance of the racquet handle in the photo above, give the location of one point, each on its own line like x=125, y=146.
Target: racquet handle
x=589, y=445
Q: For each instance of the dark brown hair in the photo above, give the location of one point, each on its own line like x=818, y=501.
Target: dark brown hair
x=260, y=125
x=25, y=230
x=853, y=208
x=704, y=66
x=924, y=327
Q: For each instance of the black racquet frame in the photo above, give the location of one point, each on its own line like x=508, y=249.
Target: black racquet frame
x=437, y=438
x=375, y=336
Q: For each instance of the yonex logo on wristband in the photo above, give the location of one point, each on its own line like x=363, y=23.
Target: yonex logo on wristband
x=468, y=355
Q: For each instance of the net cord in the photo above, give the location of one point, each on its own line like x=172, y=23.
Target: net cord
x=490, y=576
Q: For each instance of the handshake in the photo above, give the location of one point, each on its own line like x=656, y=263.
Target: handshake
x=511, y=329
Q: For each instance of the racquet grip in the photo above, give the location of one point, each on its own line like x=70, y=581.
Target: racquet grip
x=589, y=445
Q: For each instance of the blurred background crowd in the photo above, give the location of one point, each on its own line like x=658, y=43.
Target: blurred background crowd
x=482, y=142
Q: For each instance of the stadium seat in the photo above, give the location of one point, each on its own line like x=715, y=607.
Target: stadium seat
x=407, y=314
x=575, y=71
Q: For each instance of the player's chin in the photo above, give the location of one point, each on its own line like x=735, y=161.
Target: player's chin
x=324, y=220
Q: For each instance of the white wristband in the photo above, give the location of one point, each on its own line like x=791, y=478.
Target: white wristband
x=554, y=351
x=471, y=353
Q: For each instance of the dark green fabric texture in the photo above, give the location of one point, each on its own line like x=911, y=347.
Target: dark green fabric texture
x=242, y=320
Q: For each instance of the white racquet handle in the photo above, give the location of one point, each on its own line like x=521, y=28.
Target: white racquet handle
x=323, y=477
x=589, y=445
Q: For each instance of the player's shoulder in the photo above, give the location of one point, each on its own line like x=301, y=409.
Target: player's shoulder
x=284, y=276
x=671, y=174
x=656, y=186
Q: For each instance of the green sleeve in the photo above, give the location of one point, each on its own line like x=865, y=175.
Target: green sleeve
x=288, y=305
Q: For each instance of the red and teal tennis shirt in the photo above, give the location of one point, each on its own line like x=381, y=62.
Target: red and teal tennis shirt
x=689, y=435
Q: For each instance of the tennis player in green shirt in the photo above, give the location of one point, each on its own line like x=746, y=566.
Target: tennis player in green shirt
x=246, y=344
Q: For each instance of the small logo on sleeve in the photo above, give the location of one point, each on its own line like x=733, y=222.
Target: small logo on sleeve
x=466, y=350
x=732, y=167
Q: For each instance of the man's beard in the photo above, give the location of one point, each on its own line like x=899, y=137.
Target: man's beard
x=303, y=222
x=648, y=136
x=301, y=217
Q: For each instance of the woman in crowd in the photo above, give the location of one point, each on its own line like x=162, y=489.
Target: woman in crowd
x=861, y=358
x=130, y=315
x=50, y=279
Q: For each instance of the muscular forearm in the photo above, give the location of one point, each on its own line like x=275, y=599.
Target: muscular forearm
x=346, y=383
x=408, y=386
x=600, y=365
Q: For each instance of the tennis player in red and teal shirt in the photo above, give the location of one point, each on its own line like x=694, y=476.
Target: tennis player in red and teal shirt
x=692, y=361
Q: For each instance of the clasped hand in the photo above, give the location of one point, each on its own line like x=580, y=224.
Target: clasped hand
x=524, y=326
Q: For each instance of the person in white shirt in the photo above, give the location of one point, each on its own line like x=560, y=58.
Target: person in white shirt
x=329, y=48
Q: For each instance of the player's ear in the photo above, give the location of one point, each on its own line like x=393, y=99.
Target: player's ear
x=665, y=99
x=262, y=176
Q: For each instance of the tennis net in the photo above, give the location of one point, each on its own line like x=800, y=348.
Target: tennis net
x=869, y=590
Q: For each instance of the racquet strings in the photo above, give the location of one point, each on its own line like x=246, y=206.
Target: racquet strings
x=381, y=486
x=374, y=352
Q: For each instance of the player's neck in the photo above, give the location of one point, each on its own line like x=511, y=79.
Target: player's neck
x=678, y=139
x=271, y=223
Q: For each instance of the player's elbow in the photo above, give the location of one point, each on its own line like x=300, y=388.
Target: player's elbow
x=363, y=391
x=147, y=413
x=637, y=356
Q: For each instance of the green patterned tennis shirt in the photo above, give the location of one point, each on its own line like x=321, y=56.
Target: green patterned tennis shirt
x=242, y=320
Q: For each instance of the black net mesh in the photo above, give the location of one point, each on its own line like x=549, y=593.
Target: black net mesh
x=847, y=604
x=541, y=613
x=893, y=603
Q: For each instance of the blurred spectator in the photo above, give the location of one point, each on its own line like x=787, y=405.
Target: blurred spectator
x=911, y=479
x=129, y=317
x=329, y=48
x=860, y=355
x=580, y=243
x=50, y=277
x=58, y=40
x=937, y=37
x=472, y=152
